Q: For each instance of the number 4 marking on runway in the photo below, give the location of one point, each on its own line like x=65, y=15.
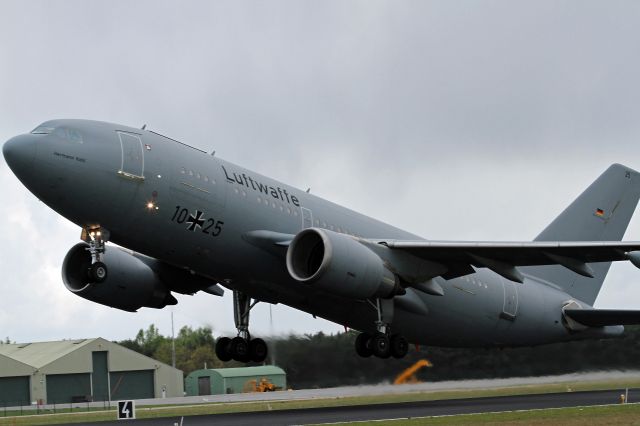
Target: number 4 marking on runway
x=126, y=410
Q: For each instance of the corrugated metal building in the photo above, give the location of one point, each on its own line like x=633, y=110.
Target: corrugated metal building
x=214, y=381
x=77, y=370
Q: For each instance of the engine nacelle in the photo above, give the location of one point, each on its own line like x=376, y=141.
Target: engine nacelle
x=131, y=283
x=339, y=264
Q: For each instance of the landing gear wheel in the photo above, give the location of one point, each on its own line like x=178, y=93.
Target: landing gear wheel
x=97, y=272
x=381, y=346
x=399, y=346
x=258, y=350
x=239, y=349
x=222, y=349
x=363, y=345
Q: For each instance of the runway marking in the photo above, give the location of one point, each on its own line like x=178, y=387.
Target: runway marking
x=397, y=419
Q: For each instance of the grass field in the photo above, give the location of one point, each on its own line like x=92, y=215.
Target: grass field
x=621, y=414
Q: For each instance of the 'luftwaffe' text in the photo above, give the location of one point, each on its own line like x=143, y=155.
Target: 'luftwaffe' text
x=276, y=192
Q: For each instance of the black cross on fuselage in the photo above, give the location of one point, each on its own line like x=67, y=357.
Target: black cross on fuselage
x=195, y=221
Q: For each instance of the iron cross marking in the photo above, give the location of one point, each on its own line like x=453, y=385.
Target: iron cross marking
x=195, y=221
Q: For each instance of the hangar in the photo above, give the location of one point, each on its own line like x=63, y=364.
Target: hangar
x=82, y=370
x=214, y=381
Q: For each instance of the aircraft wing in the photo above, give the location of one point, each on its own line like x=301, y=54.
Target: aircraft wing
x=458, y=258
x=504, y=257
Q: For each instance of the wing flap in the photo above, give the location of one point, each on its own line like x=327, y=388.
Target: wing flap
x=604, y=317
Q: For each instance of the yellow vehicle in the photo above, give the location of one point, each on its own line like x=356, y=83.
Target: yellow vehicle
x=409, y=375
x=264, y=385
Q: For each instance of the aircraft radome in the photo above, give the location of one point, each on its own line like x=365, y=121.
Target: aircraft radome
x=194, y=222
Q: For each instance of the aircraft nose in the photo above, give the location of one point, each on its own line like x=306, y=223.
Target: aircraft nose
x=19, y=153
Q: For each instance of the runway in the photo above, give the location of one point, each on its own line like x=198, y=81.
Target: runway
x=400, y=410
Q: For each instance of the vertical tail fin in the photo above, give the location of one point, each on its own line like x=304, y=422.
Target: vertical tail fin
x=601, y=213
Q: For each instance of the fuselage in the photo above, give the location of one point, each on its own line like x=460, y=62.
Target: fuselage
x=193, y=210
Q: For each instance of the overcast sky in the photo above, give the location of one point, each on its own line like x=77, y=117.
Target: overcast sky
x=455, y=120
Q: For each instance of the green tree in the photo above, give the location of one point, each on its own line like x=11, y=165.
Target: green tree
x=194, y=347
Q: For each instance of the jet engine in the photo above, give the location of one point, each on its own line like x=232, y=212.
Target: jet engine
x=130, y=284
x=339, y=264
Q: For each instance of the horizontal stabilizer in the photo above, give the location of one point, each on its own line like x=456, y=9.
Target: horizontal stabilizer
x=603, y=317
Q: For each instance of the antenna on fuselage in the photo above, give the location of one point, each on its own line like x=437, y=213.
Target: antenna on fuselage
x=144, y=126
x=308, y=190
x=213, y=152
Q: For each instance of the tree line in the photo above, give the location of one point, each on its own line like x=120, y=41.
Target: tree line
x=325, y=360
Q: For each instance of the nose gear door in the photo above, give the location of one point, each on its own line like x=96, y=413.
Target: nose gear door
x=132, y=165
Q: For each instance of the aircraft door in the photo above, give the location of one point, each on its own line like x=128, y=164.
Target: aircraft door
x=510, y=306
x=307, y=218
x=132, y=165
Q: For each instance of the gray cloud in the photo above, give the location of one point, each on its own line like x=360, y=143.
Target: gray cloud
x=452, y=120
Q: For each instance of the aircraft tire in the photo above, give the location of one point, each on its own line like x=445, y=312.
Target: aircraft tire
x=363, y=345
x=381, y=346
x=399, y=346
x=258, y=350
x=222, y=349
x=239, y=349
x=97, y=272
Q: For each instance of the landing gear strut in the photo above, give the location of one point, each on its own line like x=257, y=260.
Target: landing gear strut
x=96, y=238
x=242, y=347
x=382, y=344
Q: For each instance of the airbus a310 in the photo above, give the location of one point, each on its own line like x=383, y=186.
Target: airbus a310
x=193, y=222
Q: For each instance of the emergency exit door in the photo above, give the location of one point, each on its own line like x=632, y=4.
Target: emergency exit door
x=307, y=218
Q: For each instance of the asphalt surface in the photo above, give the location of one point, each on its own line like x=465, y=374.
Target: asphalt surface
x=397, y=410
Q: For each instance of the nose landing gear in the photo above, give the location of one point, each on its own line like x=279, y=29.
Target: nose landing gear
x=382, y=344
x=242, y=347
x=96, y=238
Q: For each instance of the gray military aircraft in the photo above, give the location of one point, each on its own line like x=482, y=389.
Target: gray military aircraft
x=198, y=223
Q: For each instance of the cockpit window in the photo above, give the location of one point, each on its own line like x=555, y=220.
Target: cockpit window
x=75, y=136
x=72, y=135
x=42, y=130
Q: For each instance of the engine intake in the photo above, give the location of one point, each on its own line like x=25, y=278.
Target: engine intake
x=130, y=284
x=339, y=264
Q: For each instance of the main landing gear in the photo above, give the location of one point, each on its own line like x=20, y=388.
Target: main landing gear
x=382, y=343
x=96, y=238
x=242, y=347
